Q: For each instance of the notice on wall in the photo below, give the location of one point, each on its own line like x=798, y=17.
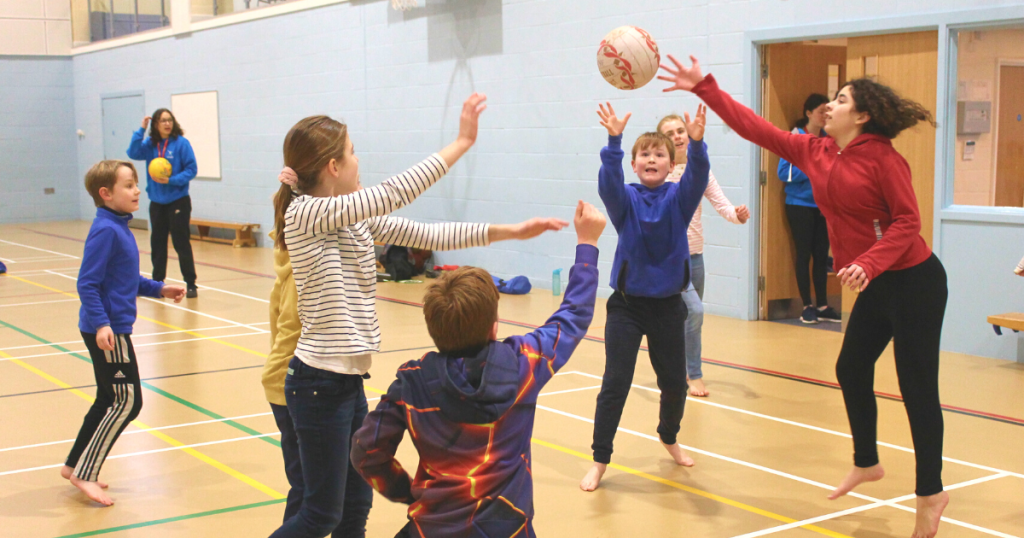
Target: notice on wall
x=974, y=90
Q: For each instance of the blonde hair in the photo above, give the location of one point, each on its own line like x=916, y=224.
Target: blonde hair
x=308, y=147
x=653, y=140
x=669, y=118
x=104, y=175
x=461, y=307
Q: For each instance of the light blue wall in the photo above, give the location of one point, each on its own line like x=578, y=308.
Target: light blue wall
x=398, y=80
x=37, y=140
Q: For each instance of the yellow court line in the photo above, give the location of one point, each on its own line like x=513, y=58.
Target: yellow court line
x=160, y=435
x=660, y=480
x=689, y=489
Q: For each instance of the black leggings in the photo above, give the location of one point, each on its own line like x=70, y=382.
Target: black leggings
x=907, y=307
x=629, y=319
x=810, y=235
x=172, y=218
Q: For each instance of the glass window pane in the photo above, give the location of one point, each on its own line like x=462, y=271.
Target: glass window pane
x=96, y=20
x=989, y=122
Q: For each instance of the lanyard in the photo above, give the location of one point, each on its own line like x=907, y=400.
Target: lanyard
x=161, y=151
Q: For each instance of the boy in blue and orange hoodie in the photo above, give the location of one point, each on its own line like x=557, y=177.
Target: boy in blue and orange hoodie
x=108, y=283
x=650, y=271
x=469, y=407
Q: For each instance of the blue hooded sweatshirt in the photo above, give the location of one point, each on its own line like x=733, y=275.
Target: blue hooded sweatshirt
x=183, y=165
x=109, y=279
x=798, y=185
x=652, y=258
x=470, y=415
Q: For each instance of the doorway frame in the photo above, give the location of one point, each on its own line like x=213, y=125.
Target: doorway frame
x=1011, y=62
x=948, y=24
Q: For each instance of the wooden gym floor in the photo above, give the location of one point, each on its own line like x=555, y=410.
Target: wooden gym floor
x=203, y=457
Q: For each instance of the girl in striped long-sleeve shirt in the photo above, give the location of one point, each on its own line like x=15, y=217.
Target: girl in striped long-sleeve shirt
x=673, y=127
x=328, y=226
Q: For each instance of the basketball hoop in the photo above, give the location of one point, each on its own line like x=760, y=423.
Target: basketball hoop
x=403, y=5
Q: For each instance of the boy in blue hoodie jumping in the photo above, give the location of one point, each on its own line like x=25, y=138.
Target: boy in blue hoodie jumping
x=469, y=407
x=649, y=273
x=108, y=283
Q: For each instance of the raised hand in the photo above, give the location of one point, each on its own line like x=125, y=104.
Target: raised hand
x=145, y=121
x=610, y=121
x=695, y=127
x=589, y=223
x=470, y=118
x=681, y=77
x=288, y=177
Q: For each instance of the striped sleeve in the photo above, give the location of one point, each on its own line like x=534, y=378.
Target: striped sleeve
x=717, y=198
x=438, y=236
x=322, y=215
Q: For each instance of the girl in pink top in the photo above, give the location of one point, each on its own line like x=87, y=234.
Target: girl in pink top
x=674, y=127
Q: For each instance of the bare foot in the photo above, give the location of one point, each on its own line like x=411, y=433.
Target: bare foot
x=857, y=476
x=697, y=388
x=593, y=477
x=66, y=473
x=92, y=490
x=929, y=511
x=677, y=454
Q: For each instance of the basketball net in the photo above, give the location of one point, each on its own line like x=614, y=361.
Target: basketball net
x=403, y=5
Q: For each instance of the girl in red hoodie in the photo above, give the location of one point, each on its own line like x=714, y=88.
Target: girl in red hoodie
x=862, y=186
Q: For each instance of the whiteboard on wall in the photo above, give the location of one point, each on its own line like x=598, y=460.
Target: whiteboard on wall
x=198, y=115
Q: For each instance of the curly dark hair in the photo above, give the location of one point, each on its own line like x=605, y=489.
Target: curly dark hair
x=154, y=132
x=890, y=113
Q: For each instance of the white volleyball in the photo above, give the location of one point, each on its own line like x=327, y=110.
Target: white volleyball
x=628, y=57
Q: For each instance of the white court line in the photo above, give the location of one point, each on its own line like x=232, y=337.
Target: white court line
x=61, y=254
x=781, y=473
x=132, y=432
x=151, y=344
x=205, y=287
x=872, y=506
x=134, y=335
x=158, y=450
x=171, y=305
x=815, y=428
x=570, y=390
x=39, y=302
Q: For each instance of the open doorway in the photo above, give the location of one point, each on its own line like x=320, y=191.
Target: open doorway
x=790, y=73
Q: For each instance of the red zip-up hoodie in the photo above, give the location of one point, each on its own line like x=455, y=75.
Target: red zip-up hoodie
x=864, y=190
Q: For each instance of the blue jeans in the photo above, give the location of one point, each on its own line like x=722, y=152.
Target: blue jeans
x=693, y=297
x=326, y=408
x=292, y=462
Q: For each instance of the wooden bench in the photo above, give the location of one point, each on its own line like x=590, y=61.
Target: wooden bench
x=1013, y=321
x=243, y=232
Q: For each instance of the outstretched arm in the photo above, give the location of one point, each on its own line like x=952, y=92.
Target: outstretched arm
x=456, y=235
x=746, y=123
x=611, y=184
x=731, y=213
x=551, y=345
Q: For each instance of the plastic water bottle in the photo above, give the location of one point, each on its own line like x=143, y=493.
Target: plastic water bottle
x=556, y=282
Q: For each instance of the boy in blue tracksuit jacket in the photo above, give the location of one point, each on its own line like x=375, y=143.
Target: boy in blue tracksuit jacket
x=470, y=406
x=650, y=271
x=108, y=283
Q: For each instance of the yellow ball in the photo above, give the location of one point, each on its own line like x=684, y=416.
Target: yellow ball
x=160, y=169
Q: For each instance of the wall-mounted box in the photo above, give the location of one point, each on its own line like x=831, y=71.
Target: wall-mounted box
x=973, y=117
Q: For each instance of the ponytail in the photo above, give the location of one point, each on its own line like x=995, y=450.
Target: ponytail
x=308, y=147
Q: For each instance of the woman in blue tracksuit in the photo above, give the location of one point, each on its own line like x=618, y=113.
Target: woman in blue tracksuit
x=170, y=207
x=806, y=223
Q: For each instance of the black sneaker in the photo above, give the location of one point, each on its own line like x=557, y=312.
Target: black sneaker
x=192, y=292
x=810, y=315
x=829, y=314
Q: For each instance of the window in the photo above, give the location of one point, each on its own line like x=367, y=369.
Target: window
x=96, y=20
x=989, y=122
